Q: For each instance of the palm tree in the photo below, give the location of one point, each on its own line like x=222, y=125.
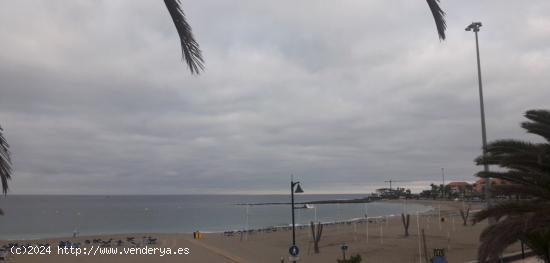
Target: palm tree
x=5, y=164
x=192, y=54
x=527, y=168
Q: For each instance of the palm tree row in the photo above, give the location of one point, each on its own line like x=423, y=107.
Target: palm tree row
x=527, y=167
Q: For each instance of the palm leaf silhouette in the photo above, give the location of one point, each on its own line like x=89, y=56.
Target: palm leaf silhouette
x=527, y=169
x=439, y=17
x=5, y=162
x=190, y=50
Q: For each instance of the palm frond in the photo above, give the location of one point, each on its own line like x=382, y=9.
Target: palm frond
x=524, y=190
x=190, y=50
x=522, y=178
x=511, y=146
x=538, y=129
x=495, y=238
x=5, y=162
x=541, y=129
x=540, y=243
x=540, y=116
x=439, y=17
x=528, y=169
x=513, y=154
x=511, y=208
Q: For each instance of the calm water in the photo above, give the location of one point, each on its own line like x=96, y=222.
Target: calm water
x=28, y=217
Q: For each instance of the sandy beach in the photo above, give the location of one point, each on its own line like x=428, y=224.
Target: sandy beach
x=385, y=243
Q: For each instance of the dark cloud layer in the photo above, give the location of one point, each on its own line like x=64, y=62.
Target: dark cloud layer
x=345, y=94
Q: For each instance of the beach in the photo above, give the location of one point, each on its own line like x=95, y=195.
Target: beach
x=385, y=243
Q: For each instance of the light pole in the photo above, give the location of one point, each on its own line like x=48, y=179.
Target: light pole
x=292, y=191
x=474, y=26
x=443, y=177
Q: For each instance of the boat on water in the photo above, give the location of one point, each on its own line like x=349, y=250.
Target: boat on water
x=305, y=206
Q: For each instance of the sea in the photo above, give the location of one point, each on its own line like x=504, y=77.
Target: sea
x=49, y=216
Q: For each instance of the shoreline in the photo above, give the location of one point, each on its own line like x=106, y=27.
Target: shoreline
x=375, y=241
x=445, y=208
x=278, y=227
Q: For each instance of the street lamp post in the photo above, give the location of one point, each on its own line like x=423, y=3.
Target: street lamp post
x=292, y=191
x=474, y=26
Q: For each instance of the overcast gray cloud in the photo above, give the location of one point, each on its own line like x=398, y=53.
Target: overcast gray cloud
x=344, y=94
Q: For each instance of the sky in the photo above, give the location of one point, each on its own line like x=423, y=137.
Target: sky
x=344, y=95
